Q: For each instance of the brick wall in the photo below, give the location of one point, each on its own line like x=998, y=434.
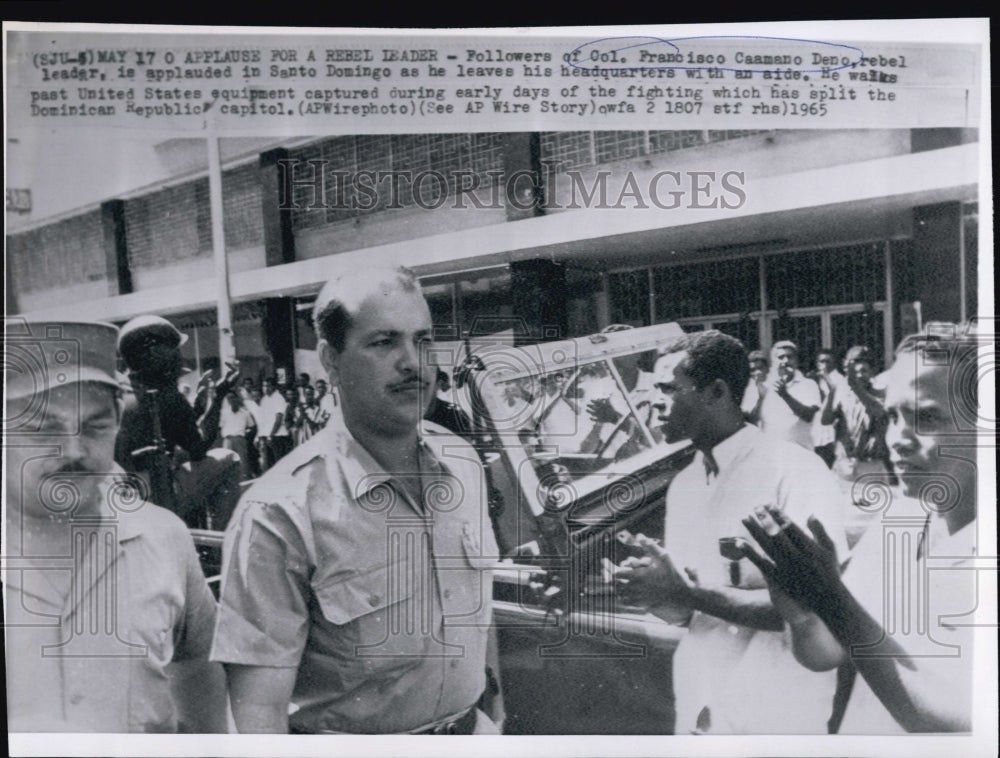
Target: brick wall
x=58, y=255
x=342, y=158
x=573, y=150
x=241, y=203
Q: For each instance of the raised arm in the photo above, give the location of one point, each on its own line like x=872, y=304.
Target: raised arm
x=911, y=687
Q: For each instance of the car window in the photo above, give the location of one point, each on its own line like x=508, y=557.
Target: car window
x=578, y=420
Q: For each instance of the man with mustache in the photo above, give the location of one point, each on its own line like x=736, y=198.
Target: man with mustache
x=108, y=615
x=356, y=593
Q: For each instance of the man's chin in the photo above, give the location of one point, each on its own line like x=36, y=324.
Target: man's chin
x=671, y=436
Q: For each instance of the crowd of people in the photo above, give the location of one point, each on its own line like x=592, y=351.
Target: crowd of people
x=838, y=413
x=264, y=424
x=314, y=629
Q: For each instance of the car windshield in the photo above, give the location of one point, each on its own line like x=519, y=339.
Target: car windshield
x=572, y=423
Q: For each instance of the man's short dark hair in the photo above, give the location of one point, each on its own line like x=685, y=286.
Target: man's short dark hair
x=341, y=296
x=955, y=346
x=713, y=355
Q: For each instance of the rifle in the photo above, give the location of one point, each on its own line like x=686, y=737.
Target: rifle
x=161, y=478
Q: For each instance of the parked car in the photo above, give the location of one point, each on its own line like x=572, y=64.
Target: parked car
x=575, y=465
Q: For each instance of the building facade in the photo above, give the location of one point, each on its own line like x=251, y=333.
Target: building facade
x=829, y=238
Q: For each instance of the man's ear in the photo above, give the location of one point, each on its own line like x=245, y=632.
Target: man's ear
x=330, y=360
x=718, y=391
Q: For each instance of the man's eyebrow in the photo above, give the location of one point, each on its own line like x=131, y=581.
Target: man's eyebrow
x=396, y=333
x=100, y=414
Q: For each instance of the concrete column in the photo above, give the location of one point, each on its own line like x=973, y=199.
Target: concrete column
x=538, y=295
x=278, y=325
x=276, y=201
x=522, y=167
x=936, y=261
x=116, y=247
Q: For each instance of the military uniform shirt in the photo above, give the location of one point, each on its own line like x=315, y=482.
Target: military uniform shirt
x=96, y=660
x=382, y=604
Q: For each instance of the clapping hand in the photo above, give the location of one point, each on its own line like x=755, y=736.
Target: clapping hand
x=602, y=412
x=805, y=569
x=229, y=380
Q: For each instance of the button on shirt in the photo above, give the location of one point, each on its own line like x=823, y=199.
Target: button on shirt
x=383, y=604
x=927, y=583
x=777, y=418
x=96, y=659
x=748, y=679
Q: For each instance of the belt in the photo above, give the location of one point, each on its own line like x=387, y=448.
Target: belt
x=464, y=723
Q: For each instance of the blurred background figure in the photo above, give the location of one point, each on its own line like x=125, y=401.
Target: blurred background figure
x=326, y=401
x=443, y=412
x=252, y=404
x=236, y=425
x=292, y=419
x=273, y=440
x=856, y=411
x=307, y=416
x=790, y=400
x=827, y=379
x=754, y=394
x=301, y=383
x=162, y=439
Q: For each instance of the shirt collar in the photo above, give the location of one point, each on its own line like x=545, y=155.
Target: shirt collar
x=357, y=466
x=797, y=376
x=119, y=491
x=961, y=543
x=727, y=451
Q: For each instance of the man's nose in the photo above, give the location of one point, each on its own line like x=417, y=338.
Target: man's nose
x=409, y=357
x=74, y=448
x=899, y=436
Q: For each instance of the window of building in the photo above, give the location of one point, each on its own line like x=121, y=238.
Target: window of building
x=854, y=274
x=628, y=295
x=701, y=289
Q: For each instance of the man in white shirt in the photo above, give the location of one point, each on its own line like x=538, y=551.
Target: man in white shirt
x=902, y=614
x=272, y=435
x=734, y=672
x=754, y=393
x=235, y=423
x=326, y=401
x=791, y=400
x=827, y=380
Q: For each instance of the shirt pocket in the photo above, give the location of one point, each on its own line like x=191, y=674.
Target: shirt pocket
x=380, y=618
